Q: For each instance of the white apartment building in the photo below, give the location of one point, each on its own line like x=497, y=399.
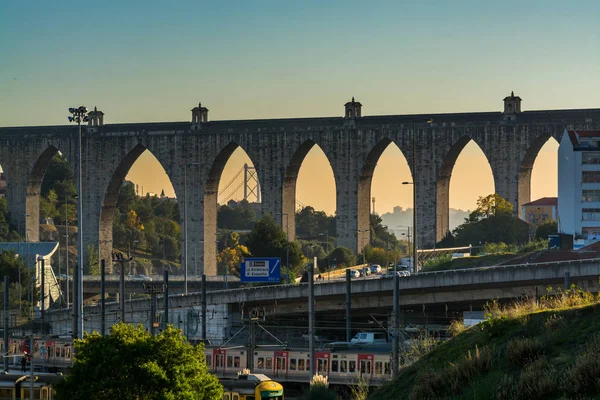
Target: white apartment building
x=579, y=186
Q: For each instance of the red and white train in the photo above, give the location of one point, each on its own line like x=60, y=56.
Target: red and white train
x=341, y=367
x=51, y=354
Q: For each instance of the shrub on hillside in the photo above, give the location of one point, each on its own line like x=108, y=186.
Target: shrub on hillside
x=456, y=327
x=523, y=351
x=429, y=385
x=463, y=372
x=584, y=376
x=537, y=381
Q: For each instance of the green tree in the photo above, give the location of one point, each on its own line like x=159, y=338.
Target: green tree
x=267, y=239
x=545, y=229
x=491, y=205
x=229, y=258
x=131, y=364
x=58, y=170
x=380, y=235
x=310, y=223
x=342, y=256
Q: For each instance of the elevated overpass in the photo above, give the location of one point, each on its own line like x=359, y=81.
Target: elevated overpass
x=459, y=288
x=92, y=287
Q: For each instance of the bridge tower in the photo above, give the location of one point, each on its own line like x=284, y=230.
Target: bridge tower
x=251, y=185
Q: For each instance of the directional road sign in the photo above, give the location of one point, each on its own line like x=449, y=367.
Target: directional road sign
x=260, y=269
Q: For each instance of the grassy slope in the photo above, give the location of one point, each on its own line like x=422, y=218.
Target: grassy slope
x=561, y=342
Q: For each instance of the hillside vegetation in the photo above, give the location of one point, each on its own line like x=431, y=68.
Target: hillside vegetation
x=532, y=350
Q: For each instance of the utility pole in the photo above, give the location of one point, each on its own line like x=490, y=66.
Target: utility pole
x=121, y=260
x=6, y=285
x=103, y=297
x=166, y=285
x=204, y=307
x=43, y=295
x=348, y=305
x=311, y=316
x=395, y=337
x=153, y=289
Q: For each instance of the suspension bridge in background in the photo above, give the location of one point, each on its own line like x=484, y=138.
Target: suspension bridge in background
x=245, y=186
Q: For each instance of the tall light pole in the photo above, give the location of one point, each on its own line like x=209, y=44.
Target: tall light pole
x=328, y=268
x=79, y=115
x=414, y=243
x=185, y=227
x=287, y=238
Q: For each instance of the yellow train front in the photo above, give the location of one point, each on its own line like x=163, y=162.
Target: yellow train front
x=252, y=387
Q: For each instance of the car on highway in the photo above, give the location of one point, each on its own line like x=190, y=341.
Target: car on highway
x=61, y=277
x=375, y=269
x=355, y=273
x=365, y=271
x=142, y=278
x=390, y=274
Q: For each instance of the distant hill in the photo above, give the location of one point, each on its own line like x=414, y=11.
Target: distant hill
x=404, y=218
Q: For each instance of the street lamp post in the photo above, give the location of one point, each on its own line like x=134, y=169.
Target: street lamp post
x=79, y=115
x=287, y=247
x=185, y=226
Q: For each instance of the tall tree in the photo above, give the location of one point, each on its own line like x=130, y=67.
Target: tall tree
x=267, y=239
x=229, y=258
x=131, y=364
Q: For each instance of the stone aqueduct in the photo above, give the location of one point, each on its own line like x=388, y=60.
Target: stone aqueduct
x=353, y=144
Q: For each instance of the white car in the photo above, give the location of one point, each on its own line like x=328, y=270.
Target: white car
x=375, y=269
x=144, y=278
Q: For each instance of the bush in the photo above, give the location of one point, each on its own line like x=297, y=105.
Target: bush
x=584, y=375
x=463, y=373
x=457, y=327
x=506, y=388
x=537, y=381
x=429, y=385
x=523, y=351
x=499, y=248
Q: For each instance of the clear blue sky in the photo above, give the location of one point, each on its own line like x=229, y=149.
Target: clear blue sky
x=155, y=60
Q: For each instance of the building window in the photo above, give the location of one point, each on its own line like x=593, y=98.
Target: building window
x=590, y=196
x=590, y=158
x=591, y=233
x=591, y=214
x=590, y=176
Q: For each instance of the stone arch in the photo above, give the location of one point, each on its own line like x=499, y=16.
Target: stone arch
x=364, y=192
x=290, y=180
x=211, y=194
x=443, y=185
x=109, y=202
x=32, y=195
x=526, y=168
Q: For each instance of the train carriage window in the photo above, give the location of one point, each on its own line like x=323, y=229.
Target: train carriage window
x=68, y=352
x=378, y=367
x=235, y=397
x=292, y=364
x=387, y=368
x=236, y=361
x=219, y=362
x=343, y=366
x=269, y=363
x=301, y=364
x=334, y=366
x=226, y=396
x=249, y=397
x=261, y=363
x=229, y=361
x=44, y=394
x=307, y=365
x=209, y=359
x=352, y=367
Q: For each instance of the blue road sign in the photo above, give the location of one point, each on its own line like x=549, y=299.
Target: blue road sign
x=260, y=269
